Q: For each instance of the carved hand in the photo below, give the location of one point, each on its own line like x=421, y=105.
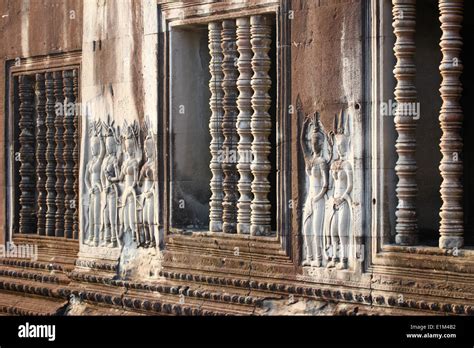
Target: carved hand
x=338, y=202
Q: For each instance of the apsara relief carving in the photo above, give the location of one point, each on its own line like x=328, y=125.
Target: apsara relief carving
x=94, y=185
x=121, y=181
x=110, y=173
x=327, y=211
x=316, y=168
x=338, y=227
x=147, y=181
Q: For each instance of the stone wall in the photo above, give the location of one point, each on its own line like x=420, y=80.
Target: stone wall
x=24, y=35
x=127, y=258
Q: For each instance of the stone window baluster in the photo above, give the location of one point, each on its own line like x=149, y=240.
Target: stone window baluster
x=59, y=154
x=68, y=160
x=261, y=125
x=50, y=159
x=404, y=22
x=451, y=118
x=229, y=148
x=76, y=156
x=244, y=103
x=217, y=93
x=41, y=153
x=27, y=217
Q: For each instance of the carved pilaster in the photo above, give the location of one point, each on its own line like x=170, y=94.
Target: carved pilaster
x=451, y=118
x=50, y=159
x=261, y=125
x=215, y=85
x=244, y=103
x=59, y=154
x=76, y=156
x=41, y=153
x=404, y=22
x=229, y=148
x=68, y=124
x=27, y=221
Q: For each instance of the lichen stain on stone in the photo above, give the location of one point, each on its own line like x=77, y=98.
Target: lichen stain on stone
x=136, y=61
x=25, y=24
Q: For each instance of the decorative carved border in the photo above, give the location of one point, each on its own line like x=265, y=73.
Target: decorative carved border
x=44, y=278
x=248, y=294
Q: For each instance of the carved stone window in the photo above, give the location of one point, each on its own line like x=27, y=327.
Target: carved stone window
x=44, y=150
x=424, y=166
x=223, y=126
x=429, y=84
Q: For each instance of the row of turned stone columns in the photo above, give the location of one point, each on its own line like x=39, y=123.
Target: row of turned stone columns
x=49, y=154
x=451, y=116
x=240, y=124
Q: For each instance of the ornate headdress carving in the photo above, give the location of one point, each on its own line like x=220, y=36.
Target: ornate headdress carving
x=131, y=131
x=110, y=130
x=150, y=135
x=149, y=131
x=341, y=128
x=299, y=104
x=95, y=129
x=315, y=122
x=341, y=124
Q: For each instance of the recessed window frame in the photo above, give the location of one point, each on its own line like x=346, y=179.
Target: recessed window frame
x=62, y=249
x=173, y=15
x=382, y=252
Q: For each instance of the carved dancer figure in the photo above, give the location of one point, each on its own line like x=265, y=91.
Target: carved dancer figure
x=129, y=173
x=314, y=207
x=341, y=210
x=110, y=174
x=93, y=182
x=148, y=183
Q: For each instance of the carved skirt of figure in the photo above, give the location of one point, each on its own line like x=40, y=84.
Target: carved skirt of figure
x=129, y=210
x=110, y=210
x=313, y=214
x=94, y=206
x=340, y=219
x=148, y=204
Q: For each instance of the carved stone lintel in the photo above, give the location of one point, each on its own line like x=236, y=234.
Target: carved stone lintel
x=229, y=85
x=451, y=118
x=261, y=125
x=27, y=220
x=244, y=118
x=59, y=155
x=76, y=156
x=215, y=85
x=41, y=153
x=50, y=159
x=404, y=22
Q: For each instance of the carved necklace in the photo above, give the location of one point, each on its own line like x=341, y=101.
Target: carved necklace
x=314, y=161
x=337, y=167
